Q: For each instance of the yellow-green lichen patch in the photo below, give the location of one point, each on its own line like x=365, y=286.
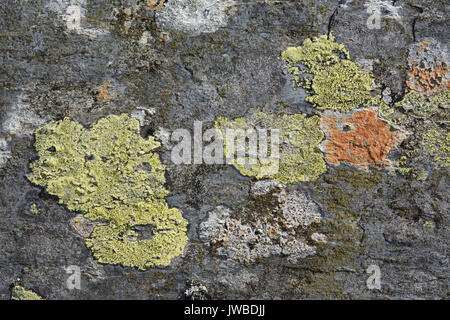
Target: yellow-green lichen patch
x=429, y=73
x=427, y=118
x=336, y=191
x=315, y=54
x=110, y=173
x=324, y=68
x=415, y=106
x=20, y=293
x=33, y=209
x=436, y=144
x=362, y=139
x=278, y=223
x=299, y=136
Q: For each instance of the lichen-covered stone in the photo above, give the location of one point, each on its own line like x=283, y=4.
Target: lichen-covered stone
x=436, y=144
x=361, y=138
x=196, y=291
x=194, y=17
x=262, y=235
x=324, y=68
x=5, y=152
x=33, y=209
x=56, y=68
x=426, y=118
x=415, y=106
x=20, y=293
x=429, y=72
x=299, y=136
x=111, y=173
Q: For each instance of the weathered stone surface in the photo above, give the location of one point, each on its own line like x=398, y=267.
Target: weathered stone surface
x=197, y=60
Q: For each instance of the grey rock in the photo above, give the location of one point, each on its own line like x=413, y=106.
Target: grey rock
x=196, y=60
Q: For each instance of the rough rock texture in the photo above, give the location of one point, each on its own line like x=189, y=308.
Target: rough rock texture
x=260, y=231
x=194, y=17
x=428, y=62
x=197, y=60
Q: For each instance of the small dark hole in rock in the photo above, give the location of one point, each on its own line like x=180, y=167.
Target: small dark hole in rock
x=145, y=166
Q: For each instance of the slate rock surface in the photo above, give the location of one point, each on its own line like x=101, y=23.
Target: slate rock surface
x=196, y=60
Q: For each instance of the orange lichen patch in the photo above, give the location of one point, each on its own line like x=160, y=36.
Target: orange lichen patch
x=428, y=80
x=156, y=5
x=362, y=139
x=103, y=92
